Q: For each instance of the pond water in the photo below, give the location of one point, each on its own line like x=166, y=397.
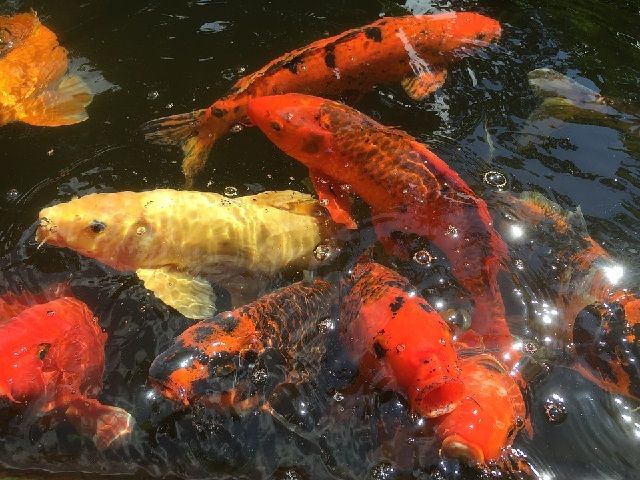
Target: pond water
x=156, y=58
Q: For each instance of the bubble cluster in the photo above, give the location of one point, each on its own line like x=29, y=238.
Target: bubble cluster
x=322, y=252
x=555, y=409
x=495, y=179
x=12, y=195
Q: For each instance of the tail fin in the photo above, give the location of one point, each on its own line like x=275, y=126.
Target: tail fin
x=108, y=426
x=62, y=105
x=183, y=130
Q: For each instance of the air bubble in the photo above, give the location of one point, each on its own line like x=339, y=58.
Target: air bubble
x=338, y=397
x=259, y=376
x=237, y=128
x=495, y=179
x=382, y=471
x=555, y=409
x=12, y=195
x=326, y=325
x=152, y=95
x=422, y=257
x=322, y=252
x=231, y=191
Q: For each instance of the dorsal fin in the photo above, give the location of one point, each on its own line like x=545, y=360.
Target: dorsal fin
x=288, y=200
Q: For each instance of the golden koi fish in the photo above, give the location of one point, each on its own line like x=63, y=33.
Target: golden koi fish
x=177, y=240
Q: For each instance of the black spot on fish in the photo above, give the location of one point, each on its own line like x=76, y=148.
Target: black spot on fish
x=330, y=56
x=203, y=333
x=219, y=112
x=379, y=350
x=426, y=307
x=373, y=33
x=228, y=323
x=396, y=304
x=293, y=64
x=43, y=349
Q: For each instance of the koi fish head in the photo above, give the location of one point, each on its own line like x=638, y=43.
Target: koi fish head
x=209, y=364
x=57, y=336
x=467, y=30
x=293, y=122
x=109, y=227
x=15, y=30
x=486, y=421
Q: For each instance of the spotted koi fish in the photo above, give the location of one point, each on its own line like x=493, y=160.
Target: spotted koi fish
x=227, y=361
x=35, y=87
x=407, y=187
x=399, y=341
x=52, y=359
x=597, y=320
x=413, y=49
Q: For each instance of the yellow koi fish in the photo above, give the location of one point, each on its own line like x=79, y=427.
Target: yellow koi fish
x=176, y=241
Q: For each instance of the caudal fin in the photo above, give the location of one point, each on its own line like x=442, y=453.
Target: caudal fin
x=183, y=130
x=108, y=426
x=63, y=104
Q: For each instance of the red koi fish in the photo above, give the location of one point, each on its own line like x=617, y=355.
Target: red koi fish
x=223, y=361
x=490, y=415
x=408, y=188
x=52, y=358
x=413, y=49
x=400, y=341
x=35, y=87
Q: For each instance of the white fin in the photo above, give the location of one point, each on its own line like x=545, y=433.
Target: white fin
x=63, y=105
x=192, y=296
x=421, y=86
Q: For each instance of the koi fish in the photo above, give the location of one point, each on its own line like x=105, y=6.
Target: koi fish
x=35, y=87
x=224, y=361
x=407, y=187
x=565, y=99
x=492, y=411
x=594, y=316
x=11, y=304
x=412, y=49
x=176, y=240
x=52, y=359
x=401, y=343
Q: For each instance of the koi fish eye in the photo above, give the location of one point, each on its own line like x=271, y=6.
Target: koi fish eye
x=97, y=226
x=276, y=126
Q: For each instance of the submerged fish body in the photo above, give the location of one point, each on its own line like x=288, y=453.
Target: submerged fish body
x=225, y=361
x=52, y=358
x=176, y=240
x=407, y=187
x=413, y=49
x=596, y=320
x=400, y=342
x=34, y=85
x=489, y=416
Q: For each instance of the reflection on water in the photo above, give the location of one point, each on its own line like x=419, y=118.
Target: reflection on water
x=162, y=58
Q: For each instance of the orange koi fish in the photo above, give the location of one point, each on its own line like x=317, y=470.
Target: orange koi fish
x=35, y=87
x=413, y=49
x=577, y=273
x=222, y=361
x=400, y=341
x=408, y=188
x=52, y=359
x=490, y=415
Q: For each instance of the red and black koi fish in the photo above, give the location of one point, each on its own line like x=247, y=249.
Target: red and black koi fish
x=222, y=362
x=52, y=359
x=413, y=49
x=408, y=188
x=401, y=343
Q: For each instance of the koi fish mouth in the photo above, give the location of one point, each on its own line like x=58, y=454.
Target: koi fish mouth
x=46, y=231
x=454, y=446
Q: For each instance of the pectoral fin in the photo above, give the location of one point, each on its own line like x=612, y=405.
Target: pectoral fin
x=337, y=202
x=192, y=296
x=418, y=87
x=288, y=200
x=63, y=105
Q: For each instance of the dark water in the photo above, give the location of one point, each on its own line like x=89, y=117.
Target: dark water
x=164, y=57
